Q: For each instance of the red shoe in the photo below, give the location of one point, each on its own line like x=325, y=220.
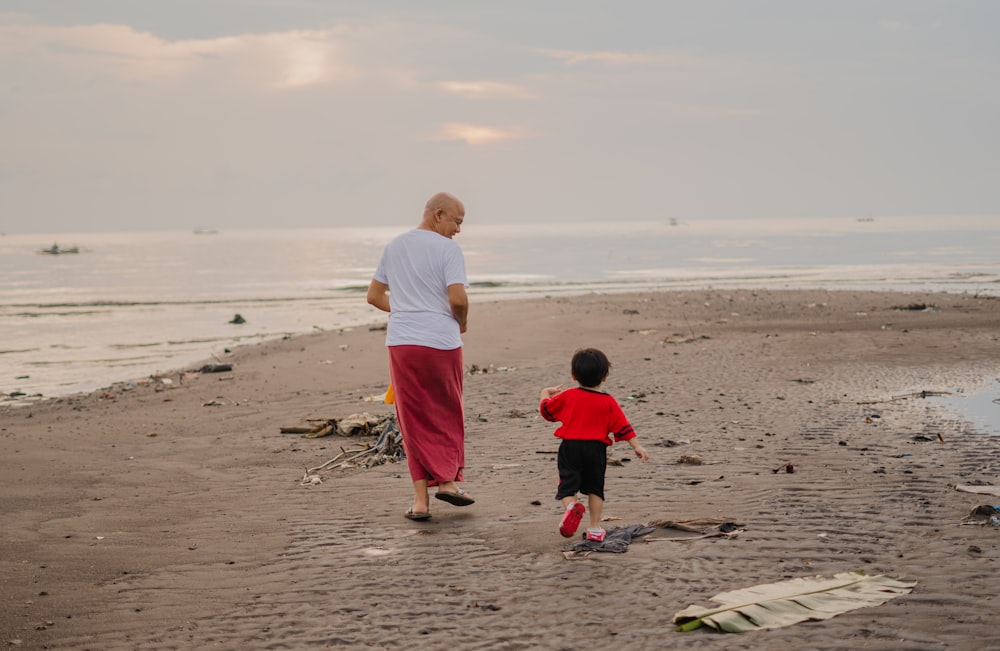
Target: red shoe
x=571, y=520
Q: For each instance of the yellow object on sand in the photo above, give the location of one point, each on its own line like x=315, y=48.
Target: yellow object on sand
x=390, y=395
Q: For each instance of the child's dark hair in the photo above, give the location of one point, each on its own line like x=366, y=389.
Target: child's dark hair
x=590, y=366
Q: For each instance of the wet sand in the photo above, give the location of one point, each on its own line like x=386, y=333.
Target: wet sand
x=172, y=516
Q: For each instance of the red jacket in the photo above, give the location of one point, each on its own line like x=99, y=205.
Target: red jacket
x=587, y=415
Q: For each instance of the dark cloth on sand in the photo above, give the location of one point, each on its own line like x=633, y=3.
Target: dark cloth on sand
x=616, y=541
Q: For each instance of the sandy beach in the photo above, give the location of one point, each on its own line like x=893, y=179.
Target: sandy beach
x=171, y=515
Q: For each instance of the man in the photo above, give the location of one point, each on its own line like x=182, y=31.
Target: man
x=420, y=281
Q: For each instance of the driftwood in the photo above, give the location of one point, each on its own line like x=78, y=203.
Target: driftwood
x=698, y=525
x=979, y=489
x=706, y=527
x=716, y=534
x=387, y=448
x=354, y=425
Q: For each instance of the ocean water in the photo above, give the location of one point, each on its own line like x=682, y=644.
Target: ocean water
x=131, y=305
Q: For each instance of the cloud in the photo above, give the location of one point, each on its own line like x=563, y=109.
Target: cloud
x=618, y=58
x=278, y=60
x=473, y=134
x=486, y=90
x=302, y=58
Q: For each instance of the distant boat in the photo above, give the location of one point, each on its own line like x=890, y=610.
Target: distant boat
x=55, y=249
x=206, y=231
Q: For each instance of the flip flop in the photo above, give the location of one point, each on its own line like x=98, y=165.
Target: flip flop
x=410, y=515
x=571, y=519
x=458, y=498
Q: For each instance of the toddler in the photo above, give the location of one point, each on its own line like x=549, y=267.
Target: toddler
x=591, y=421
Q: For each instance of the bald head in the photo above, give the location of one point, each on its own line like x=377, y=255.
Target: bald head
x=442, y=201
x=443, y=214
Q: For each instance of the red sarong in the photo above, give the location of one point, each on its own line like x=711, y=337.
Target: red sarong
x=428, y=387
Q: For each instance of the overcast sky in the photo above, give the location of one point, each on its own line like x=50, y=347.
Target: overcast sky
x=178, y=114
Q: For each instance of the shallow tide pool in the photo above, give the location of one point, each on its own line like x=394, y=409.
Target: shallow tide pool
x=980, y=407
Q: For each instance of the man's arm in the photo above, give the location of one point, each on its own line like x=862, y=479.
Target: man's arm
x=378, y=295
x=459, y=301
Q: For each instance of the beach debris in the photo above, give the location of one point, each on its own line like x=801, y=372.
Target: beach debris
x=215, y=368
x=906, y=396
x=310, y=479
x=776, y=605
x=387, y=448
x=354, y=425
x=712, y=534
x=362, y=424
x=237, y=319
x=787, y=467
x=475, y=369
x=704, y=527
x=983, y=515
x=698, y=525
x=389, y=397
x=670, y=443
x=920, y=438
x=682, y=339
x=916, y=307
x=979, y=489
x=690, y=459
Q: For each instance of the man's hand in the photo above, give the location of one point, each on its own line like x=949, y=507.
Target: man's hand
x=378, y=295
x=459, y=301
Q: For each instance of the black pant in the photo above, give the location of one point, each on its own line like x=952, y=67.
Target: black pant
x=582, y=465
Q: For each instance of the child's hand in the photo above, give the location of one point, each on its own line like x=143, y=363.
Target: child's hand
x=548, y=392
x=641, y=453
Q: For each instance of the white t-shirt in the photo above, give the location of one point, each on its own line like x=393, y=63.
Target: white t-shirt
x=418, y=266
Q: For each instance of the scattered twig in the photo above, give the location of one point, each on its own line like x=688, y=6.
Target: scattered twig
x=387, y=448
x=905, y=396
x=716, y=534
